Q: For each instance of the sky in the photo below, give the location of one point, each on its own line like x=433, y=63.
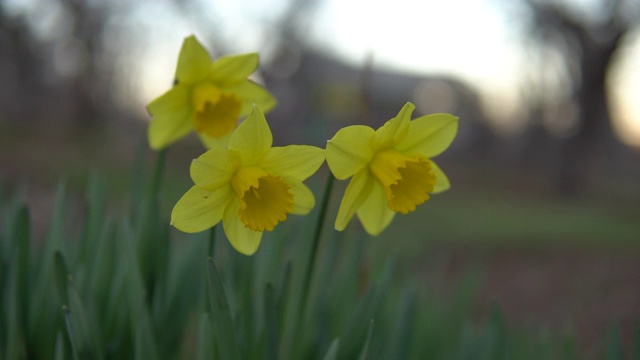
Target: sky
x=482, y=44
x=478, y=41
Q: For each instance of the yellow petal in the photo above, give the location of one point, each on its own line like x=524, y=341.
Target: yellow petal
x=252, y=138
x=194, y=62
x=303, y=198
x=442, y=182
x=200, y=209
x=171, y=101
x=171, y=117
x=394, y=130
x=232, y=69
x=213, y=143
x=356, y=194
x=251, y=93
x=295, y=161
x=243, y=239
x=215, y=168
x=349, y=150
x=430, y=135
x=374, y=214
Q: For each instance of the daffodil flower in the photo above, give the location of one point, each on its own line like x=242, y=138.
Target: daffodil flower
x=391, y=167
x=208, y=97
x=249, y=186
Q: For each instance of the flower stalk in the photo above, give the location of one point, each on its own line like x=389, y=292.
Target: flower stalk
x=308, y=272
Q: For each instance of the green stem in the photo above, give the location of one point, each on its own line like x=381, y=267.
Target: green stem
x=212, y=241
x=316, y=241
x=158, y=172
x=308, y=273
x=153, y=254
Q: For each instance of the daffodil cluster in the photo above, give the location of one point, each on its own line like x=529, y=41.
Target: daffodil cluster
x=250, y=186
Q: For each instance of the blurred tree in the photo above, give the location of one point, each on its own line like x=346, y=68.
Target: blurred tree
x=586, y=43
x=57, y=56
x=90, y=89
x=20, y=68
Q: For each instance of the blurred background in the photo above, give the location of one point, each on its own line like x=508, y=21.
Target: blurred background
x=544, y=207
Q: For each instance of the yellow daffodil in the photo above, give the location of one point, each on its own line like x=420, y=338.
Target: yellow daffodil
x=208, y=97
x=249, y=186
x=391, y=167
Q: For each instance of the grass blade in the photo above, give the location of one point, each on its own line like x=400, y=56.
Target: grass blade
x=205, y=349
x=271, y=317
x=365, y=349
x=332, y=353
x=222, y=323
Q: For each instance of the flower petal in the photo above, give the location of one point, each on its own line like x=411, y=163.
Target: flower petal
x=232, y=69
x=442, y=181
x=212, y=143
x=252, y=138
x=349, y=150
x=430, y=135
x=295, y=161
x=355, y=195
x=303, y=199
x=171, y=117
x=200, y=209
x=374, y=214
x=214, y=168
x=243, y=239
x=251, y=93
x=394, y=130
x=194, y=62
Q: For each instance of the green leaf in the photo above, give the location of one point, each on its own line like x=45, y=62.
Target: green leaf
x=70, y=331
x=271, y=316
x=56, y=231
x=43, y=315
x=365, y=349
x=59, y=348
x=22, y=243
x=145, y=348
x=137, y=183
x=94, y=223
x=332, y=353
x=222, y=324
x=614, y=343
x=284, y=285
x=497, y=333
x=61, y=278
x=84, y=323
x=636, y=341
x=205, y=348
x=103, y=269
x=400, y=342
x=15, y=339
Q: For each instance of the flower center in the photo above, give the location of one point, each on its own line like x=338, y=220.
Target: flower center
x=216, y=113
x=265, y=199
x=407, y=181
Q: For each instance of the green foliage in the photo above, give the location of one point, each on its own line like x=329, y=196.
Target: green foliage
x=115, y=287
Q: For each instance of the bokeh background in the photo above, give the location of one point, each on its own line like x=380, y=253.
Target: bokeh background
x=544, y=212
